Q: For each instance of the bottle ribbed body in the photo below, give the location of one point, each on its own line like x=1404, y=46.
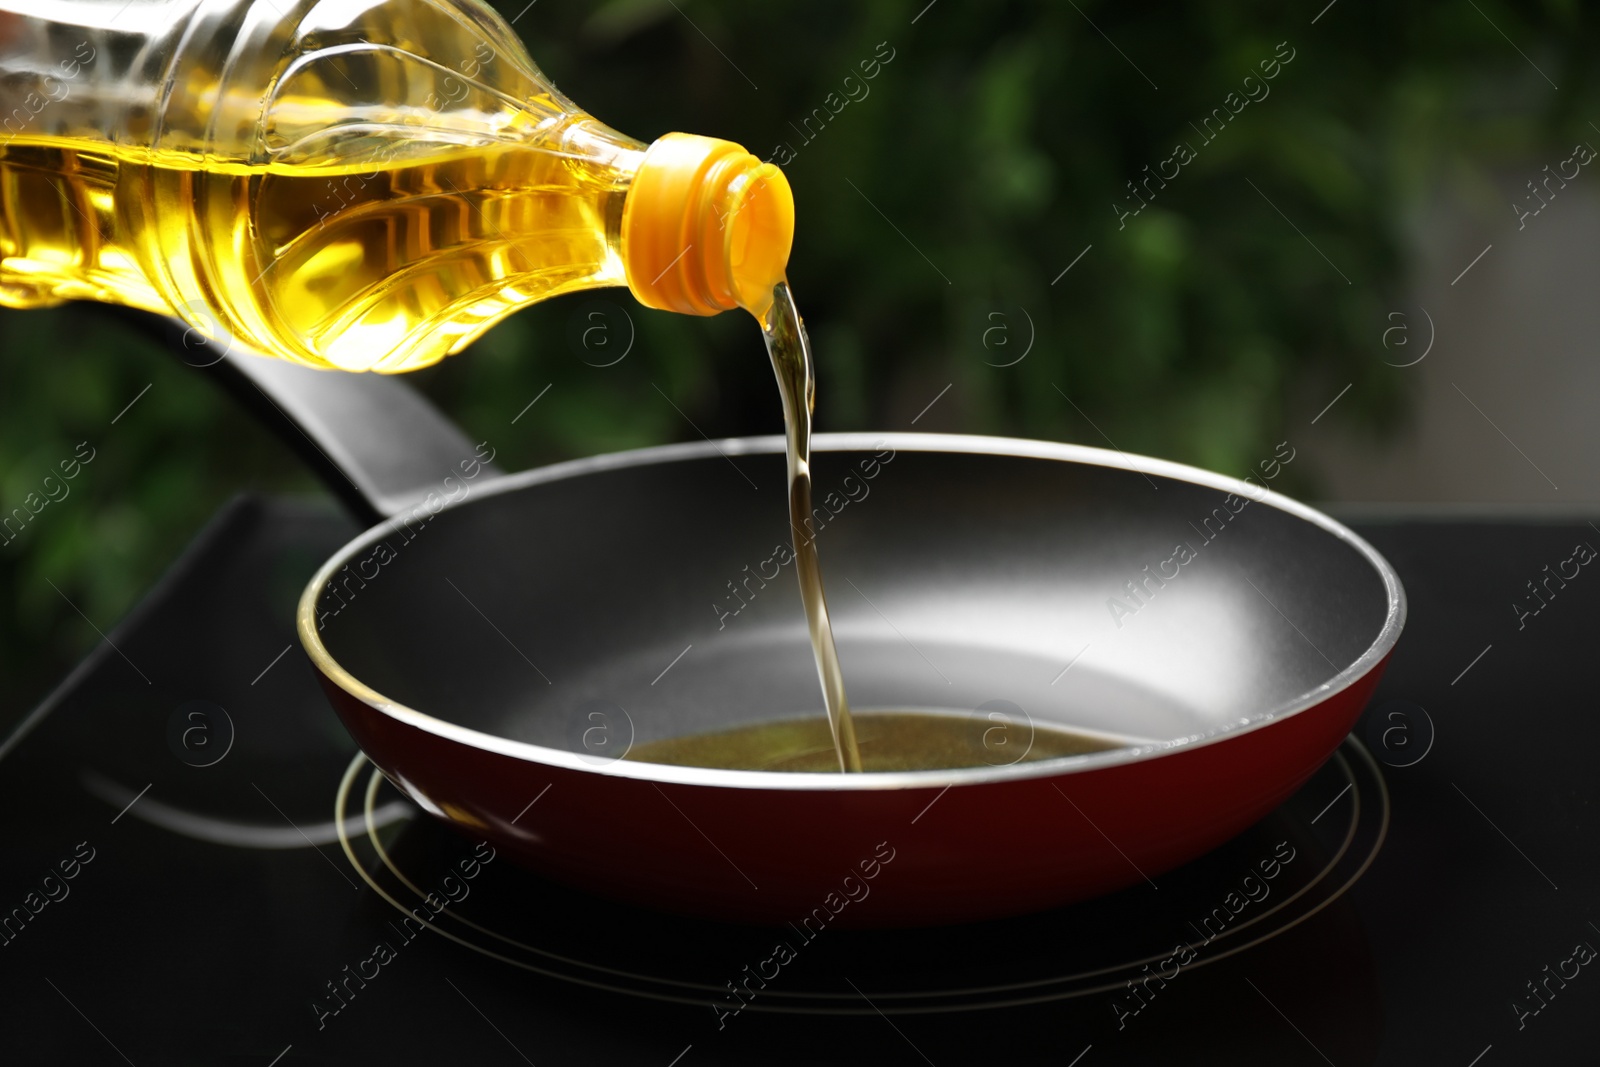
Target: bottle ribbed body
x=354, y=185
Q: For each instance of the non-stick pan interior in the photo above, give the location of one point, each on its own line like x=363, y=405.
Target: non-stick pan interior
x=627, y=602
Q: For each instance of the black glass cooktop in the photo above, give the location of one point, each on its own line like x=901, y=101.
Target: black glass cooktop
x=199, y=867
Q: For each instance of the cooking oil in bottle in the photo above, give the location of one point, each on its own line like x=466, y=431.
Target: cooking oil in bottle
x=385, y=267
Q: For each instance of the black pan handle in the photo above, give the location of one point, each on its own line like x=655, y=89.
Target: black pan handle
x=379, y=445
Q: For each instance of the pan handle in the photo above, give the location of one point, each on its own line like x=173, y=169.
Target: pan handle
x=377, y=443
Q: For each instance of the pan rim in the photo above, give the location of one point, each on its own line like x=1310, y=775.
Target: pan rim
x=959, y=444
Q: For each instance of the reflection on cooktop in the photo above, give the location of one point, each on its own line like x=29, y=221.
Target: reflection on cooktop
x=1122, y=949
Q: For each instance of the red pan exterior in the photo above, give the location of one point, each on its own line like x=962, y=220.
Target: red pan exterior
x=866, y=857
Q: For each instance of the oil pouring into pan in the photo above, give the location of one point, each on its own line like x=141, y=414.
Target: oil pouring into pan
x=370, y=187
x=503, y=648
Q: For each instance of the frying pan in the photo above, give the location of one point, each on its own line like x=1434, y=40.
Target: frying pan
x=497, y=643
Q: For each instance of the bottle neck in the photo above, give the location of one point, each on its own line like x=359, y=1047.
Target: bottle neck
x=706, y=227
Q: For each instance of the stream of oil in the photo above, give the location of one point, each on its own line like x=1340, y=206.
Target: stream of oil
x=887, y=740
x=790, y=350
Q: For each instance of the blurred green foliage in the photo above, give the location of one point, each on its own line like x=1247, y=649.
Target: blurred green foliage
x=988, y=153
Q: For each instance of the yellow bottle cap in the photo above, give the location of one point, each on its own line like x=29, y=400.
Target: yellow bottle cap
x=706, y=227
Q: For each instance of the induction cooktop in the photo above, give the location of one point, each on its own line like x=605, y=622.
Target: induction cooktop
x=200, y=867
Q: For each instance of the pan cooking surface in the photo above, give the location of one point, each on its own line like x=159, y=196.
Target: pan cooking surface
x=656, y=595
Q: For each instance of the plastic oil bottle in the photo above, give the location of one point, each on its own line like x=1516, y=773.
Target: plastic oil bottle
x=360, y=184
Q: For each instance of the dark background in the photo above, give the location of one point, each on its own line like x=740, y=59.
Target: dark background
x=935, y=219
